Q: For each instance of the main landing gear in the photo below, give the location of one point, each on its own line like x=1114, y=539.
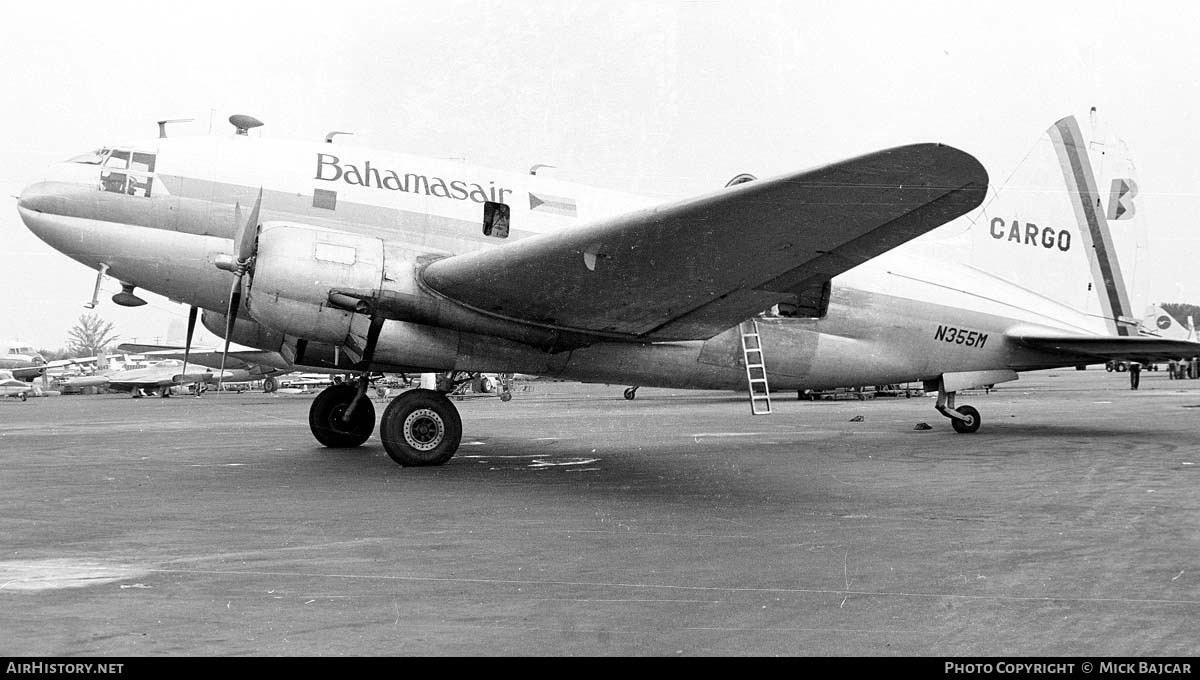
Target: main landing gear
x=338, y=419
x=419, y=427
x=964, y=419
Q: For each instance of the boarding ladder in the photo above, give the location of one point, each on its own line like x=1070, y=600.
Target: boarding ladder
x=756, y=369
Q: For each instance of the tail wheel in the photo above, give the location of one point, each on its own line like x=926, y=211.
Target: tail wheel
x=420, y=427
x=966, y=426
x=326, y=422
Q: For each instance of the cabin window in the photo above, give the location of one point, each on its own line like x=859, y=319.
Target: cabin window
x=495, y=219
x=324, y=198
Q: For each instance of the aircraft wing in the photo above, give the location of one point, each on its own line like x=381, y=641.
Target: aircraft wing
x=694, y=268
x=138, y=348
x=250, y=360
x=27, y=373
x=1104, y=348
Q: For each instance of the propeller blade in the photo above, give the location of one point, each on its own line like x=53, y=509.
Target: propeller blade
x=247, y=232
x=244, y=240
x=187, y=347
x=235, y=298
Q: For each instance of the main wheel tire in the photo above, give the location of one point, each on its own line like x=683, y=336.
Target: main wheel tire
x=325, y=418
x=966, y=426
x=630, y=393
x=270, y=384
x=420, y=427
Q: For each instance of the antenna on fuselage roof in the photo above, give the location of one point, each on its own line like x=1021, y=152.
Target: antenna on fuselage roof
x=244, y=123
x=329, y=137
x=162, y=125
x=538, y=166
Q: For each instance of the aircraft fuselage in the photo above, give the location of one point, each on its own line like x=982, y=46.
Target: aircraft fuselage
x=164, y=217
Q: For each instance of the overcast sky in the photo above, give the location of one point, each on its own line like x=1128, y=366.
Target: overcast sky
x=664, y=98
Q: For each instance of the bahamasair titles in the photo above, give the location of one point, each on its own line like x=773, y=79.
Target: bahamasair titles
x=897, y=266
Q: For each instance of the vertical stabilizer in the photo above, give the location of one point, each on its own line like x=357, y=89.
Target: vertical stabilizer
x=1066, y=231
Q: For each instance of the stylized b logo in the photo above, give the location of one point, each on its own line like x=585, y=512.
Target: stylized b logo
x=1120, y=200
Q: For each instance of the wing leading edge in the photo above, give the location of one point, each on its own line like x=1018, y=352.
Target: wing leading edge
x=694, y=268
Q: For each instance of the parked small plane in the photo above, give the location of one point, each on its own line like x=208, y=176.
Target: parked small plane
x=13, y=387
x=879, y=269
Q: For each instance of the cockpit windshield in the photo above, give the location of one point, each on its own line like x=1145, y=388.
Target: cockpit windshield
x=125, y=171
x=118, y=159
x=95, y=157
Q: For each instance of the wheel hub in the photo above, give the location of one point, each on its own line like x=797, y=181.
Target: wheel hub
x=424, y=429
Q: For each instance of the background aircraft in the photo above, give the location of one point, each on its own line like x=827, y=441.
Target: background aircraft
x=262, y=365
x=22, y=361
x=247, y=365
x=1158, y=322
x=26, y=363
x=882, y=269
x=157, y=379
x=12, y=387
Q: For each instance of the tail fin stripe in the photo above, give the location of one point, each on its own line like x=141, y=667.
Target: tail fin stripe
x=1077, y=172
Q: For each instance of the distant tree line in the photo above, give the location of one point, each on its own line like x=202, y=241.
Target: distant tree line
x=90, y=336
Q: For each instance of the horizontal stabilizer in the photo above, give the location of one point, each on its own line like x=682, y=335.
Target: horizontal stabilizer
x=1105, y=347
x=692, y=269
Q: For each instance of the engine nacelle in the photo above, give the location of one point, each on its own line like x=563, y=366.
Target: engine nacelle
x=298, y=267
x=245, y=331
x=322, y=284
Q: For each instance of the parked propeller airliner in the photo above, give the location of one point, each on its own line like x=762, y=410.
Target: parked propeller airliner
x=1158, y=322
x=25, y=363
x=22, y=361
x=883, y=268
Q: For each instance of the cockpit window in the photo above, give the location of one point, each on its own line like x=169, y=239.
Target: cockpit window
x=117, y=160
x=142, y=162
x=127, y=172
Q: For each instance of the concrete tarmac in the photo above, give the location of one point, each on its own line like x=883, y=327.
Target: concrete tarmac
x=575, y=522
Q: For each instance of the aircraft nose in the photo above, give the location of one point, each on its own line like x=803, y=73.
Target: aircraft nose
x=41, y=206
x=40, y=197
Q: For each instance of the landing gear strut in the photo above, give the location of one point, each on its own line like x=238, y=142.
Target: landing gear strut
x=964, y=419
x=419, y=427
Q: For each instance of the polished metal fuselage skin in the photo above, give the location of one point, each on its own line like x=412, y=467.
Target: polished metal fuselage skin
x=901, y=317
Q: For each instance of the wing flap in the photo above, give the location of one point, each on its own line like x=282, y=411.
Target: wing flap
x=691, y=269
